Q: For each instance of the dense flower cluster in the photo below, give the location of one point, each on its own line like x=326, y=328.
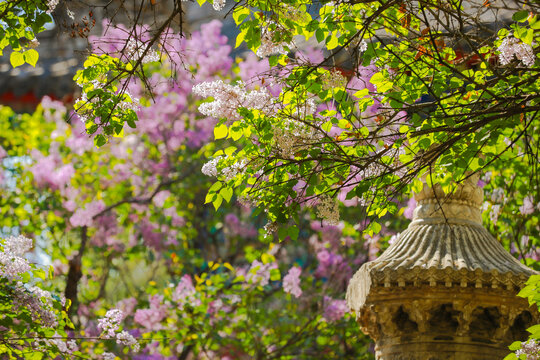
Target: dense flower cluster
x=65, y=347
x=528, y=205
x=328, y=210
x=291, y=281
x=12, y=264
x=135, y=51
x=268, y=44
x=333, y=79
x=512, y=46
x=227, y=172
x=229, y=98
x=259, y=273
x=38, y=301
x=51, y=4
x=150, y=318
x=185, y=293
x=334, y=309
x=530, y=348
x=110, y=326
x=111, y=322
x=218, y=5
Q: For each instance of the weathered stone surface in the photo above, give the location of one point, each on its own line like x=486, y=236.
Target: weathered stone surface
x=445, y=289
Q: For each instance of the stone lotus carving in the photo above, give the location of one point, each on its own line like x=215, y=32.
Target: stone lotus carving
x=445, y=289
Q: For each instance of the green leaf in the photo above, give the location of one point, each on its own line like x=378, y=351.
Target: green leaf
x=240, y=13
x=100, y=140
x=227, y=193
x=217, y=201
x=515, y=345
x=16, y=59
x=31, y=56
x=293, y=233
x=275, y=275
x=220, y=131
x=520, y=16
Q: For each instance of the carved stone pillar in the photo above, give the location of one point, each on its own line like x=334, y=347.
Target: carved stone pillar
x=445, y=289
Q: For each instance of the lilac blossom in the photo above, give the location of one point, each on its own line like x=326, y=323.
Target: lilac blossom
x=125, y=338
x=84, y=216
x=259, y=273
x=12, y=264
x=150, y=318
x=49, y=172
x=333, y=266
x=110, y=324
x=334, y=309
x=528, y=207
x=291, y=281
x=228, y=98
x=185, y=293
x=235, y=227
x=529, y=348
x=38, y=301
x=512, y=46
x=409, y=210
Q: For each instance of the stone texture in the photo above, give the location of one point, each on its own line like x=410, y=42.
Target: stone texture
x=445, y=289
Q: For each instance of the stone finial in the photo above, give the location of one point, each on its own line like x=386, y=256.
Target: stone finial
x=446, y=288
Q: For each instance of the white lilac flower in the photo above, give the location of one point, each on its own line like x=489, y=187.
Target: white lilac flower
x=362, y=46
x=38, y=301
x=530, y=348
x=12, y=264
x=497, y=196
x=228, y=98
x=333, y=79
x=328, y=209
x=494, y=213
x=268, y=46
x=111, y=322
x=528, y=206
x=125, y=338
x=51, y=4
x=512, y=46
x=218, y=4
x=270, y=228
x=135, y=51
x=210, y=167
x=108, y=356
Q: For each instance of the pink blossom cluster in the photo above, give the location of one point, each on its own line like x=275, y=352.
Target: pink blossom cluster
x=12, y=264
x=185, y=293
x=512, y=46
x=150, y=318
x=291, y=281
x=528, y=206
x=84, y=216
x=259, y=273
x=333, y=266
x=235, y=227
x=49, y=171
x=334, y=309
